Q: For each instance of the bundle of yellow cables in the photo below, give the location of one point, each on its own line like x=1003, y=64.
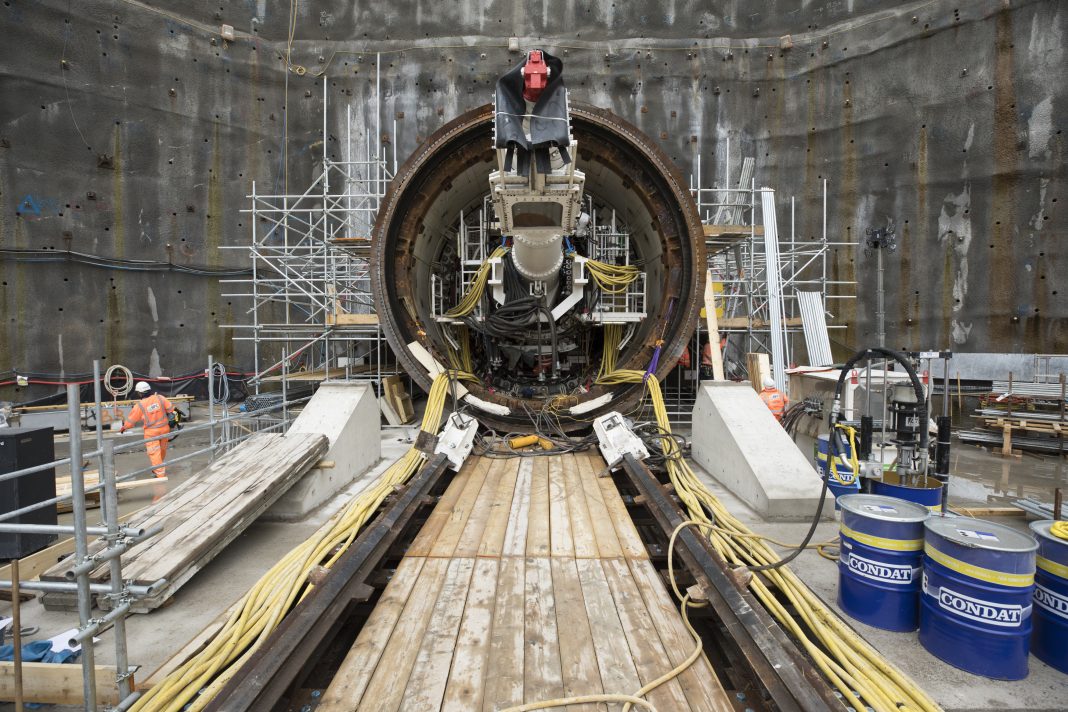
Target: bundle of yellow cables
x=613, y=334
x=855, y=669
x=478, y=285
x=612, y=279
x=264, y=606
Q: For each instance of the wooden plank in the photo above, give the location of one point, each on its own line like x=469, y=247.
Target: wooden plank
x=49, y=683
x=219, y=521
x=541, y=664
x=538, y=509
x=430, y=674
x=390, y=678
x=585, y=541
x=515, y=535
x=983, y=512
x=629, y=540
x=733, y=230
x=499, y=510
x=352, y=678
x=618, y=673
x=759, y=368
x=560, y=538
x=713, y=328
x=743, y=322
x=203, y=516
x=453, y=527
x=607, y=542
x=352, y=319
x=505, y=668
x=646, y=649
x=433, y=524
x=467, y=678
x=578, y=657
x=698, y=682
x=471, y=538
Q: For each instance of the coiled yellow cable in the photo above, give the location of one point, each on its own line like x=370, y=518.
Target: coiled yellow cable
x=1059, y=529
x=851, y=664
x=200, y=678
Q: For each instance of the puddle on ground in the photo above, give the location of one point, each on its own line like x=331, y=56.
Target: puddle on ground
x=977, y=474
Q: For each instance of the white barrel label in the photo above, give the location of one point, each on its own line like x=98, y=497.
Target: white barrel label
x=1004, y=615
x=1055, y=603
x=887, y=573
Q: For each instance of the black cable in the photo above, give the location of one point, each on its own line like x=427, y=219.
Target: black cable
x=833, y=440
x=116, y=263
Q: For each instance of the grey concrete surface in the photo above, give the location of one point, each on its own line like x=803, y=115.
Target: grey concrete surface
x=736, y=439
x=347, y=413
x=134, y=130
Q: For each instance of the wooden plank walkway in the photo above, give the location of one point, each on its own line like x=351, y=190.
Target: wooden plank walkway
x=204, y=514
x=527, y=582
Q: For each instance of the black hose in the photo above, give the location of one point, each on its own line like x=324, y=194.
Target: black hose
x=833, y=440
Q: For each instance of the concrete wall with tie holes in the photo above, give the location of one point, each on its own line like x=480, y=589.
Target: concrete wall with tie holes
x=134, y=130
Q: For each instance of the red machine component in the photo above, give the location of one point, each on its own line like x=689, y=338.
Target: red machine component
x=535, y=76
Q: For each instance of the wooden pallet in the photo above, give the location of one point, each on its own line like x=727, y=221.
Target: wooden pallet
x=527, y=582
x=203, y=515
x=92, y=499
x=1007, y=426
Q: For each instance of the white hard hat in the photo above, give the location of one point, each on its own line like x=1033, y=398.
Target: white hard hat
x=769, y=382
x=142, y=387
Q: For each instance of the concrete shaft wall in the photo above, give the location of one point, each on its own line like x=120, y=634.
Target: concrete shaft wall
x=133, y=129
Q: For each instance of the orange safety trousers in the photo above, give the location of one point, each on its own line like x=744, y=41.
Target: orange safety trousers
x=157, y=450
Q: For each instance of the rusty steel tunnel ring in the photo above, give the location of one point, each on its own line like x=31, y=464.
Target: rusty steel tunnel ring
x=606, y=143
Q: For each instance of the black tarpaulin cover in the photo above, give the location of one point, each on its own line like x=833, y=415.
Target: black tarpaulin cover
x=549, y=125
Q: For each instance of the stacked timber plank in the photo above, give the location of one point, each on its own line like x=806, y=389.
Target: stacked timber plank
x=1021, y=417
x=203, y=515
x=528, y=582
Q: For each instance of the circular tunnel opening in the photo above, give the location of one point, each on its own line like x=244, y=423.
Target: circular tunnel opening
x=437, y=224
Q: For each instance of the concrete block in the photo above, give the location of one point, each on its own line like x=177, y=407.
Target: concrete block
x=739, y=443
x=347, y=414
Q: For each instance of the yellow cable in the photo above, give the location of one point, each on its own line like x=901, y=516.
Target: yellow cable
x=1059, y=529
x=612, y=279
x=470, y=300
x=849, y=662
x=853, y=462
x=613, y=335
x=201, y=677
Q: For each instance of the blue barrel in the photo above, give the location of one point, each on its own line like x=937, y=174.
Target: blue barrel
x=1049, y=639
x=842, y=480
x=928, y=493
x=879, y=569
x=975, y=609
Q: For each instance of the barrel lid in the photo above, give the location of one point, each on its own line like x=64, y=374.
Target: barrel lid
x=1041, y=528
x=878, y=506
x=980, y=534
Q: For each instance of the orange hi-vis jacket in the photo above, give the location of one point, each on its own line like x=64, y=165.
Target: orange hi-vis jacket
x=153, y=413
x=775, y=401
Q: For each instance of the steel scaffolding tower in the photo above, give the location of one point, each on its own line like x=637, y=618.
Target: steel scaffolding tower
x=312, y=316
x=757, y=277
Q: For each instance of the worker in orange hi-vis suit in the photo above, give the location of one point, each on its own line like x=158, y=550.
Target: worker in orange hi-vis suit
x=154, y=413
x=774, y=399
